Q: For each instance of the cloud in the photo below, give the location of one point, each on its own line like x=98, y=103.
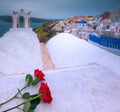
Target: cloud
x=58, y=8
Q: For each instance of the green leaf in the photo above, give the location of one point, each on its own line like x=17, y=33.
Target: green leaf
x=29, y=79
x=26, y=95
x=34, y=103
x=26, y=107
x=31, y=110
x=36, y=81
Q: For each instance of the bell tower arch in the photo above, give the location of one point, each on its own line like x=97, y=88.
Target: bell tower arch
x=16, y=19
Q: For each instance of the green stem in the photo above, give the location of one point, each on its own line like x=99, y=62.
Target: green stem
x=15, y=96
x=17, y=106
x=20, y=108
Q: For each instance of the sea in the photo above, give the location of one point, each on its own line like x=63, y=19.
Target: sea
x=5, y=26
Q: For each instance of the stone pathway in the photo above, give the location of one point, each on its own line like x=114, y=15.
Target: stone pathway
x=47, y=62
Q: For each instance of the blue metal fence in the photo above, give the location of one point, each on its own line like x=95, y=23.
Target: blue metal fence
x=107, y=41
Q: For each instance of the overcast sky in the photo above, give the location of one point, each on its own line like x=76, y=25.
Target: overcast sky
x=59, y=9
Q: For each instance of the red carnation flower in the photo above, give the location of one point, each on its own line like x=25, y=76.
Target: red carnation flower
x=46, y=97
x=39, y=74
x=43, y=87
x=46, y=94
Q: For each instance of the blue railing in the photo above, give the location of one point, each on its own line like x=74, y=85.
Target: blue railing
x=107, y=41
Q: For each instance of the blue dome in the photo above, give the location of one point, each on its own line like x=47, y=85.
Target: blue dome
x=83, y=21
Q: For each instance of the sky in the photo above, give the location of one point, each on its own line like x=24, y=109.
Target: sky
x=59, y=9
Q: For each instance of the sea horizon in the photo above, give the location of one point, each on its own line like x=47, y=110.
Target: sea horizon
x=6, y=22
x=5, y=26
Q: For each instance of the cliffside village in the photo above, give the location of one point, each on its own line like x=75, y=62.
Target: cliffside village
x=107, y=23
